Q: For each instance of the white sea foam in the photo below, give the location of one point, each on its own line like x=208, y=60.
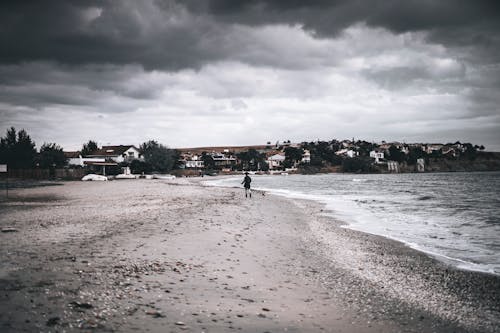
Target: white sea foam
x=453, y=217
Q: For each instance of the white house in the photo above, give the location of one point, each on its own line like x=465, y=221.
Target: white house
x=222, y=160
x=306, y=157
x=377, y=155
x=118, y=154
x=276, y=161
x=75, y=158
x=194, y=162
x=346, y=152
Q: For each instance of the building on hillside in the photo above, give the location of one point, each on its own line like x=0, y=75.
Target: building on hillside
x=347, y=153
x=306, y=157
x=276, y=161
x=449, y=151
x=377, y=155
x=430, y=148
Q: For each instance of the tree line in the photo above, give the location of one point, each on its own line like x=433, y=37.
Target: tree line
x=18, y=151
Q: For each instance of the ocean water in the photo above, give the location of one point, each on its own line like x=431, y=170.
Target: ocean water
x=452, y=216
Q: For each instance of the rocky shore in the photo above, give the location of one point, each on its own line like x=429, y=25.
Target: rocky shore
x=171, y=256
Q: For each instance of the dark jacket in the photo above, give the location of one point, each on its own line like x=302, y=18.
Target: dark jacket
x=246, y=181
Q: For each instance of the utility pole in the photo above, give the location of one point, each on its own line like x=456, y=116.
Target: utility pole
x=3, y=169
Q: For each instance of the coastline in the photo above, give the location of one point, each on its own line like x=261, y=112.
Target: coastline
x=177, y=256
x=361, y=219
x=413, y=279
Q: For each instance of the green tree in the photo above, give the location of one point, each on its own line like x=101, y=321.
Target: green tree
x=139, y=167
x=252, y=159
x=396, y=154
x=160, y=157
x=208, y=161
x=365, y=147
x=292, y=156
x=470, y=151
x=414, y=154
x=17, y=150
x=357, y=164
x=51, y=155
x=89, y=148
x=325, y=151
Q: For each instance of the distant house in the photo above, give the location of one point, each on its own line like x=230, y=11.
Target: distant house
x=306, y=157
x=118, y=154
x=433, y=147
x=194, y=164
x=377, y=155
x=75, y=158
x=223, y=161
x=346, y=152
x=189, y=161
x=449, y=151
x=275, y=161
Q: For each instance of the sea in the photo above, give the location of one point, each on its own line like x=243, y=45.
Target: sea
x=454, y=217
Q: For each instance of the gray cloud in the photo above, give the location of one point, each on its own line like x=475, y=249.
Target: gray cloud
x=175, y=34
x=321, y=68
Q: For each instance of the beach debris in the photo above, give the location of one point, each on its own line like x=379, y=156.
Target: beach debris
x=81, y=305
x=9, y=229
x=53, y=321
x=249, y=300
x=265, y=309
x=180, y=323
x=88, y=324
x=155, y=314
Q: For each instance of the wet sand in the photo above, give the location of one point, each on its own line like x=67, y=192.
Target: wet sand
x=172, y=256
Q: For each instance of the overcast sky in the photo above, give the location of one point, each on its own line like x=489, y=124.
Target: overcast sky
x=226, y=72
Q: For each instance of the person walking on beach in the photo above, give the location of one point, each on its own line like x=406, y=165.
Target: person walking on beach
x=246, y=184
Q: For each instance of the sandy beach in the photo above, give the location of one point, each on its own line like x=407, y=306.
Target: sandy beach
x=172, y=256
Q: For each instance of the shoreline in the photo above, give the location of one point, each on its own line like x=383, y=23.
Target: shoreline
x=177, y=256
x=429, y=283
x=457, y=263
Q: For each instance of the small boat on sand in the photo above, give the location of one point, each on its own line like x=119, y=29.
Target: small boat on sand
x=157, y=176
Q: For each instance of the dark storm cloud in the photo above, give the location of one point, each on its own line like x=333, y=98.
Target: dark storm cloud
x=187, y=34
x=316, y=66
x=42, y=84
x=477, y=21
x=103, y=32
